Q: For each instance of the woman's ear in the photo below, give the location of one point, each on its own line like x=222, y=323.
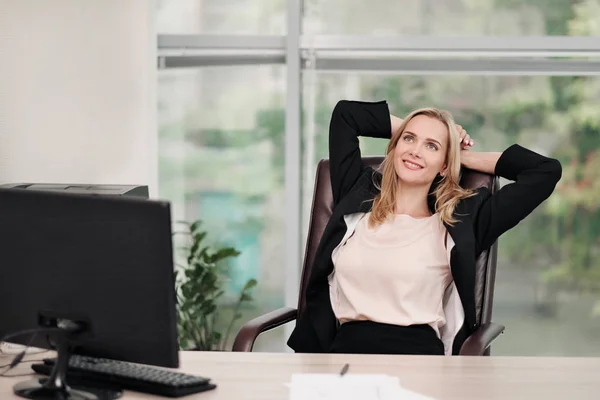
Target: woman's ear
x=444, y=171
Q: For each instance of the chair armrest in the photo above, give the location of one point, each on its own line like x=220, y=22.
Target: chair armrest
x=244, y=341
x=480, y=340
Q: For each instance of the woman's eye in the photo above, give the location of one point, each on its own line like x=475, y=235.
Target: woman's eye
x=432, y=146
x=407, y=138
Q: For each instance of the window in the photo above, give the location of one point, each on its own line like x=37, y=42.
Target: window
x=548, y=271
x=452, y=17
x=221, y=161
x=221, y=16
x=490, y=62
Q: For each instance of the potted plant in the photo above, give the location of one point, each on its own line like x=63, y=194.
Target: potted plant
x=200, y=285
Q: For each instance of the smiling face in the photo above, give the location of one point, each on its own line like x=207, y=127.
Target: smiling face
x=420, y=153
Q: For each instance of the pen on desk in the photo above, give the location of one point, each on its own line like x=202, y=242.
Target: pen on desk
x=344, y=369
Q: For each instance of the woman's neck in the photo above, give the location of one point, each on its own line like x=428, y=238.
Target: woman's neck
x=413, y=201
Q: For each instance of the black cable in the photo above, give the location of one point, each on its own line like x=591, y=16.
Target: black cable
x=19, y=357
x=17, y=360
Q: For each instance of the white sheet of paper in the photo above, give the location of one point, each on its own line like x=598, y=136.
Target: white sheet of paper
x=349, y=387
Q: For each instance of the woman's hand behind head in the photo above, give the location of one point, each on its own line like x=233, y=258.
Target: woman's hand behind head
x=465, y=140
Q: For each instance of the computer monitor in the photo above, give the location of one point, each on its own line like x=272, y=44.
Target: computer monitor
x=103, y=262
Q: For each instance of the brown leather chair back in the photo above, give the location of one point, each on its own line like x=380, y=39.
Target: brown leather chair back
x=322, y=207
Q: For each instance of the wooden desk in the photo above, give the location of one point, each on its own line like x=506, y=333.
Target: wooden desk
x=262, y=375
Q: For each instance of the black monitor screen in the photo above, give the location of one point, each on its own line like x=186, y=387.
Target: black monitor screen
x=100, y=259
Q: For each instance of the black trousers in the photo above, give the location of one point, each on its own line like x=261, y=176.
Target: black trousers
x=368, y=337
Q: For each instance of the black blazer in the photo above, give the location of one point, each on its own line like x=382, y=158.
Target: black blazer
x=481, y=218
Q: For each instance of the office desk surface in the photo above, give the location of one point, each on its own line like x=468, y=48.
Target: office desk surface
x=263, y=375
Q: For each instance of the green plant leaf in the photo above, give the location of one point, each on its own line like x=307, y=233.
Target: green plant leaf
x=245, y=297
x=199, y=237
x=249, y=285
x=189, y=273
x=183, y=342
x=198, y=259
x=218, y=294
x=192, y=252
x=224, y=253
x=186, y=306
x=208, y=308
x=194, y=226
x=186, y=291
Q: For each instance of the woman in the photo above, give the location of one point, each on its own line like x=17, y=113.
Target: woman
x=394, y=272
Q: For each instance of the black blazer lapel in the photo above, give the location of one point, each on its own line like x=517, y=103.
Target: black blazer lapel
x=462, y=260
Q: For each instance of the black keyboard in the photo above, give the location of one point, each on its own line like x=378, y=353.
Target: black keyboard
x=104, y=373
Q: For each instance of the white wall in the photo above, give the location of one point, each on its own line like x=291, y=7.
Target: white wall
x=78, y=91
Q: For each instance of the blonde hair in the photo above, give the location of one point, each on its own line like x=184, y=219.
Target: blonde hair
x=448, y=192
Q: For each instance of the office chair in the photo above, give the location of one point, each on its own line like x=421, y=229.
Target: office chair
x=476, y=344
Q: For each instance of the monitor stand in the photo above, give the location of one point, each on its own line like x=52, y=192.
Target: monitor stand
x=55, y=387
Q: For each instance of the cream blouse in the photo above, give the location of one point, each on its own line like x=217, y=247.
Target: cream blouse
x=395, y=273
